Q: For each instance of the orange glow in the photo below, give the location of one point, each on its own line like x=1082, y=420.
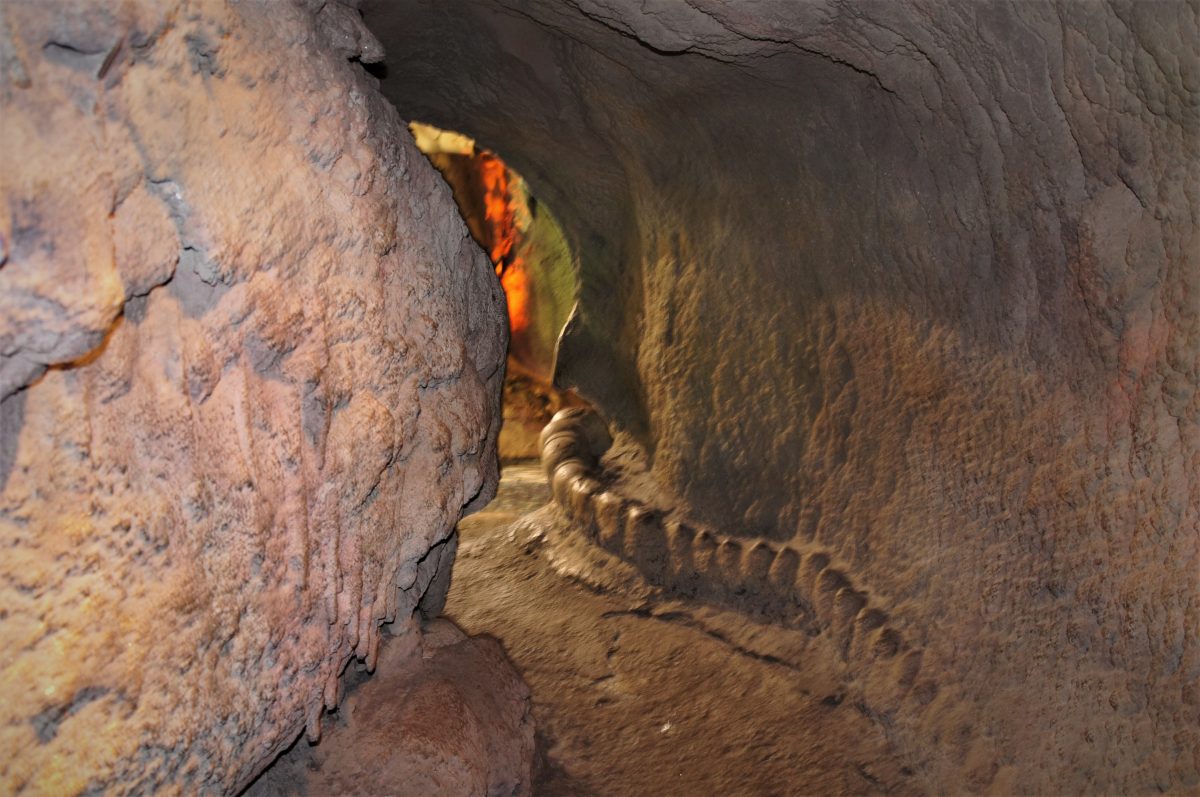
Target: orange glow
x=502, y=233
x=502, y=238
x=515, y=282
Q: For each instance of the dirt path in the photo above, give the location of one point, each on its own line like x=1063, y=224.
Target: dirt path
x=637, y=694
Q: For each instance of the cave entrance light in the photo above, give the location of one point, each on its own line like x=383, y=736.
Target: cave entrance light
x=536, y=269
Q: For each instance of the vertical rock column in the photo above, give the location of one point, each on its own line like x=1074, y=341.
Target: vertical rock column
x=250, y=364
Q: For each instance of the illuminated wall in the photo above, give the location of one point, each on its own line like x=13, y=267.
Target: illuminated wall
x=250, y=366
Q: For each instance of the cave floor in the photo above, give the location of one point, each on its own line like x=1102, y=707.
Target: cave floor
x=636, y=693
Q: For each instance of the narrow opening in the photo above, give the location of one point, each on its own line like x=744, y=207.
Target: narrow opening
x=531, y=256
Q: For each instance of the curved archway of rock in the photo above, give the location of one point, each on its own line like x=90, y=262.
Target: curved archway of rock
x=913, y=287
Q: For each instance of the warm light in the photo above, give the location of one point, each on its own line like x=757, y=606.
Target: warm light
x=432, y=140
x=505, y=215
x=515, y=282
x=497, y=208
x=500, y=217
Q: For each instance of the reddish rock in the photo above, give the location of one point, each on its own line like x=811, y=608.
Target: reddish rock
x=250, y=364
x=447, y=719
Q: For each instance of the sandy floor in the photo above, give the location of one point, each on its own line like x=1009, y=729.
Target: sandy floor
x=639, y=694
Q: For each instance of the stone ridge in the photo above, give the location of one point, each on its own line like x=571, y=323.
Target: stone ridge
x=796, y=586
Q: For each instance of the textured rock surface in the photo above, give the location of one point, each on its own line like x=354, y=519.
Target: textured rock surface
x=446, y=719
x=640, y=693
x=249, y=370
x=917, y=284
x=799, y=587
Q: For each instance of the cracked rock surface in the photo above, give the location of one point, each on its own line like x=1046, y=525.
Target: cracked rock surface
x=250, y=366
x=916, y=284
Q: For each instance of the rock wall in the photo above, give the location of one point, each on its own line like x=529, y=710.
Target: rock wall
x=914, y=284
x=250, y=364
x=799, y=586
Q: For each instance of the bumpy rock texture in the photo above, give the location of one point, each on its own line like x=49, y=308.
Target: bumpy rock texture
x=448, y=718
x=536, y=271
x=917, y=284
x=250, y=363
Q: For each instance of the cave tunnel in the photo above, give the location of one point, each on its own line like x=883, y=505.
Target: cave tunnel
x=507, y=397
x=537, y=272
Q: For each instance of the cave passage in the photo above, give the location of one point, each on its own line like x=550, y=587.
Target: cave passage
x=633, y=676
x=537, y=273
x=603, y=397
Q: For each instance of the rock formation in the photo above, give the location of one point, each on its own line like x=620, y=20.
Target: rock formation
x=447, y=718
x=911, y=285
x=250, y=364
x=903, y=295
x=796, y=585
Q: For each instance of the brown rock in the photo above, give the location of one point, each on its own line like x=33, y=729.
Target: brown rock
x=249, y=374
x=448, y=719
x=916, y=282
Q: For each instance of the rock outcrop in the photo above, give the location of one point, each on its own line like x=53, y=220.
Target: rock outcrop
x=250, y=364
x=448, y=718
x=914, y=285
